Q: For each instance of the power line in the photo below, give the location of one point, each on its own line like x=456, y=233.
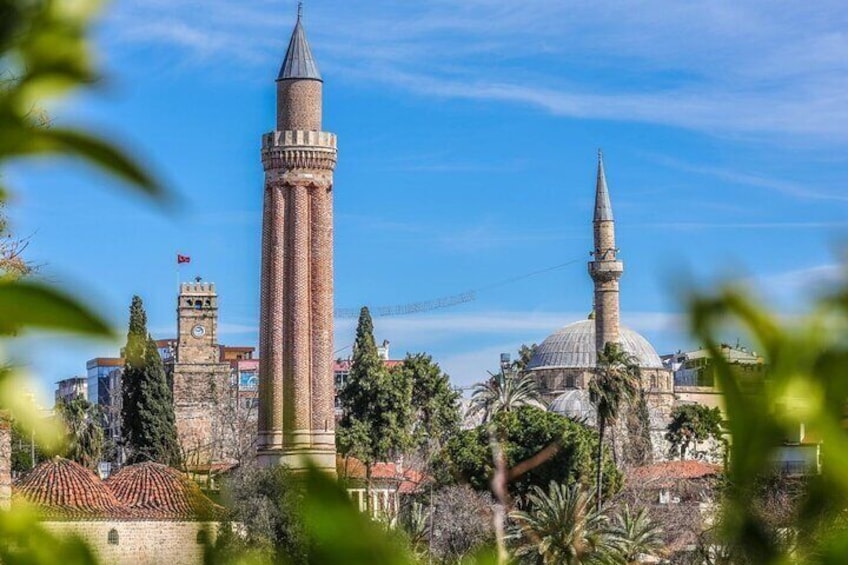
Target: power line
x=445, y=301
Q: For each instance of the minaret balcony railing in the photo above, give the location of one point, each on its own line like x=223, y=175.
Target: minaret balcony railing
x=299, y=138
x=606, y=270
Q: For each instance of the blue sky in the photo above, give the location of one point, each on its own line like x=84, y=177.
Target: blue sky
x=468, y=134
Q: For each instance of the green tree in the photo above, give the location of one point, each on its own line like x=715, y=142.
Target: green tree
x=525, y=355
x=615, y=382
x=690, y=424
x=560, y=526
x=435, y=404
x=147, y=414
x=639, y=445
x=539, y=447
x=376, y=405
x=84, y=431
x=504, y=392
x=634, y=535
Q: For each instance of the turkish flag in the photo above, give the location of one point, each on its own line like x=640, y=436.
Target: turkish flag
x=183, y=259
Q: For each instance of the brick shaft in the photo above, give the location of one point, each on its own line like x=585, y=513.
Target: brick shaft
x=296, y=335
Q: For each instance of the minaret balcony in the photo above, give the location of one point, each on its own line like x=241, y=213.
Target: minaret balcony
x=299, y=138
x=605, y=270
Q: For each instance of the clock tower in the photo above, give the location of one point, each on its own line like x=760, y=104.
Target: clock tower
x=200, y=381
x=197, y=323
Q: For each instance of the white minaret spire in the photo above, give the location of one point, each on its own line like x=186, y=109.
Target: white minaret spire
x=605, y=269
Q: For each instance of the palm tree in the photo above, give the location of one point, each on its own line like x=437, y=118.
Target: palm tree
x=85, y=434
x=504, y=392
x=561, y=526
x=616, y=381
x=634, y=534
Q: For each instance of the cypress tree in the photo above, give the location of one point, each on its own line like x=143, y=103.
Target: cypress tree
x=376, y=405
x=147, y=414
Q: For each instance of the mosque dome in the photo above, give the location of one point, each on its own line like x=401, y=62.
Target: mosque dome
x=574, y=404
x=573, y=347
x=63, y=489
x=157, y=491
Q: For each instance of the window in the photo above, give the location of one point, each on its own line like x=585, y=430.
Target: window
x=113, y=537
x=569, y=381
x=202, y=537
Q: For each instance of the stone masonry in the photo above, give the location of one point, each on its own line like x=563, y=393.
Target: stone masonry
x=605, y=270
x=296, y=411
x=200, y=382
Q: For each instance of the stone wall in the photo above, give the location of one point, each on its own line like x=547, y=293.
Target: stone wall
x=657, y=383
x=203, y=399
x=141, y=542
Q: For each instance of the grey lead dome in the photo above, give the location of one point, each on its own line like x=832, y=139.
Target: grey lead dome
x=574, y=347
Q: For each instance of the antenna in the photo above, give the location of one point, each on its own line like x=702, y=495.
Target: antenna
x=299, y=10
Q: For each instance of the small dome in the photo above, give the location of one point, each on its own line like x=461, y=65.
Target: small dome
x=64, y=489
x=157, y=491
x=574, y=404
x=573, y=347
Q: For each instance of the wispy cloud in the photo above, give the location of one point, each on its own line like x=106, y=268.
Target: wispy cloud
x=806, y=281
x=747, y=178
x=721, y=67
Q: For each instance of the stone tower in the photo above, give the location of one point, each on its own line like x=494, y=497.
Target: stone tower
x=200, y=382
x=605, y=270
x=296, y=412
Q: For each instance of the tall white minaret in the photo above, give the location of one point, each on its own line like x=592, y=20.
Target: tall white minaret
x=605, y=269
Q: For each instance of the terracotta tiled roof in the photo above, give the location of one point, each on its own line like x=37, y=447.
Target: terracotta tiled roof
x=62, y=489
x=649, y=475
x=408, y=480
x=158, y=492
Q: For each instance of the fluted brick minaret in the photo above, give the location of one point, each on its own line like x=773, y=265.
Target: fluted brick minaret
x=605, y=270
x=296, y=412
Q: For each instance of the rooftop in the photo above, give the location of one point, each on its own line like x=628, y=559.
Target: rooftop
x=64, y=490
x=574, y=347
x=662, y=473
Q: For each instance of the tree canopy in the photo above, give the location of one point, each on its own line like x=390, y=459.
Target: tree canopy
x=147, y=414
x=435, y=404
x=690, y=424
x=564, y=448
x=375, y=402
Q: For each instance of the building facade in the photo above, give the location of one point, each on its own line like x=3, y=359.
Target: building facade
x=296, y=413
x=69, y=389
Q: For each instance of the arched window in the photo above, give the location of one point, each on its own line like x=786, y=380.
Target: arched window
x=202, y=537
x=113, y=537
x=198, y=304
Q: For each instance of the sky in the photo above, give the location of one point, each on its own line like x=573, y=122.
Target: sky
x=468, y=136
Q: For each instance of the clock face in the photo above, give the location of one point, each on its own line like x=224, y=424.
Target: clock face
x=198, y=331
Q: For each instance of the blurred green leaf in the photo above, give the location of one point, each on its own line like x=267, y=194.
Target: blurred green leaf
x=342, y=534
x=26, y=304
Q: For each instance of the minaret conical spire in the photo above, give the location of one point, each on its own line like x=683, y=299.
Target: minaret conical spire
x=299, y=62
x=603, y=208
x=605, y=268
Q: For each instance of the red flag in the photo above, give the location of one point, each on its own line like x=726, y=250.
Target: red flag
x=183, y=259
